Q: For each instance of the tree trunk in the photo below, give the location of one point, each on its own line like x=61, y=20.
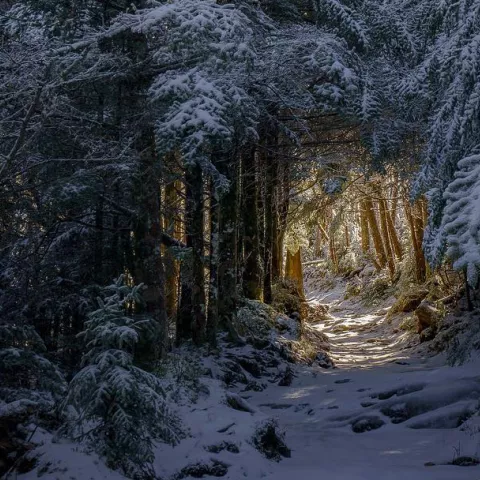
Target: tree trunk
x=252, y=275
x=294, y=270
x=227, y=249
x=268, y=236
x=318, y=243
x=212, y=318
x=172, y=268
x=386, y=237
x=375, y=231
x=269, y=144
x=347, y=236
x=195, y=177
x=261, y=193
x=276, y=226
x=420, y=269
x=117, y=263
x=365, y=234
x=149, y=268
x=283, y=206
x=392, y=233
x=184, y=318
x=420, y=228
x=192, y=302
x=333, y=252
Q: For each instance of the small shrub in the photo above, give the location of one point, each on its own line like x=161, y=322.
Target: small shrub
x=377, y=290
x=286, y=298
x=463, y=344
x=30, y=388
x=348, y=261
x=116, y=406
x=352, y=289
x=255, y=319
x=409, y=324
x=181, y=373
x=26, y=373
x=270, y=441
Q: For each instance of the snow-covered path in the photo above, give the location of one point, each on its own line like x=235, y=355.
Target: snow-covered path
x=384, y=413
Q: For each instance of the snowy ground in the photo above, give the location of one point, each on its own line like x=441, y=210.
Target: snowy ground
x=387, y=412
x=381, y=379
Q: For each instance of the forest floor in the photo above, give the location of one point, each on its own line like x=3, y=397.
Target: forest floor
x=388, y=411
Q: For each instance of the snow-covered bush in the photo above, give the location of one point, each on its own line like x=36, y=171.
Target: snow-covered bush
x=30, y=388
x=181, y=373
x=269, y=440
x=353, y=288
x=28, y=379
x=255, y=319
x=286, y=297
x=458, y=336
x=461, y=219
x=117, y=407
x=376, y=290
x=407, y=271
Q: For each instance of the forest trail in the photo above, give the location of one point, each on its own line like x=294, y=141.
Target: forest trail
x=386, y=412
x=360, y=336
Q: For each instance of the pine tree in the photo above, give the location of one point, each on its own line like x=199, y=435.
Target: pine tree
x=29, y=381
x=444, y=85
x=461, y=218
x=119, y=408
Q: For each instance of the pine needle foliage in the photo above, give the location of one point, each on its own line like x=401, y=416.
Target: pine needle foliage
x=28, y=380
x=461, y=219
x=117, y=407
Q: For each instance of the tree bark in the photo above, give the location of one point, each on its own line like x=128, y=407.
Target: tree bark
x=276, y=225
x=227, y=249
x=420, y=266
x=192, y=303
x=365, y=233
x=198, y=289
x=185, y=307
x=375, y=231
x=283, y=204
x=270, y=140
x=294, y=270
x=172, y=268
x=392, y=233
x=252, y=275
x=333, y=252
x=212, y=317
x=386, y=237
x=149, y=268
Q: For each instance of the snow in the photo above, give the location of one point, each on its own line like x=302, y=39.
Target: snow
x=383, y=379
x=461, y=220
x=324, y=404
x=59, y=460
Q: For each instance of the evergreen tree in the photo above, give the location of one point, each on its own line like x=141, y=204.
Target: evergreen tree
x=119, y=408
x=461, y=218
